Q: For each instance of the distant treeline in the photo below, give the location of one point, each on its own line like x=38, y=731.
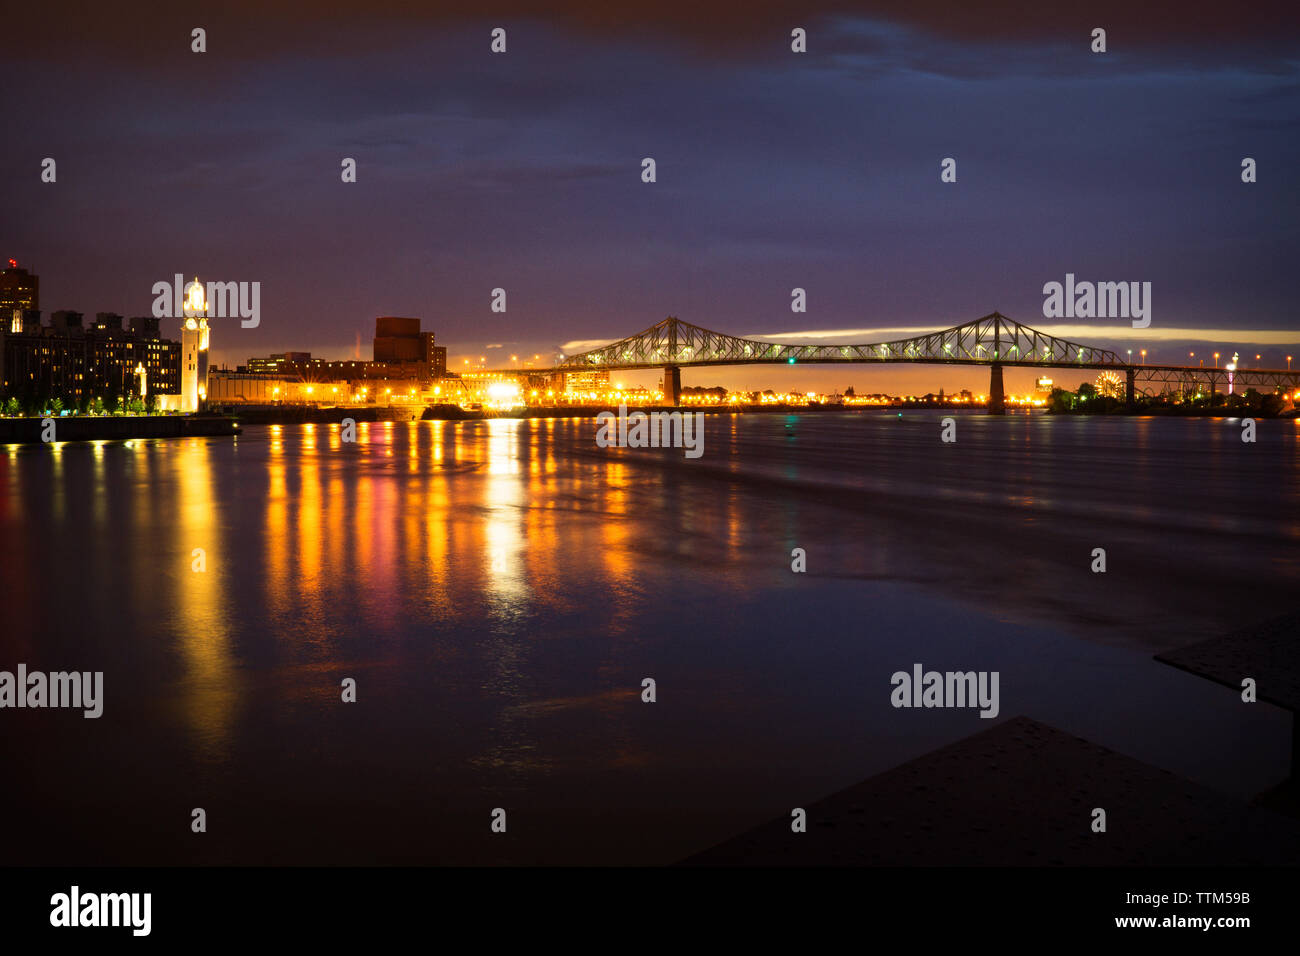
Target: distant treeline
x=1087, y=400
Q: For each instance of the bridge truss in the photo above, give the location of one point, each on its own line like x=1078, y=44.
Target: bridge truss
x=1160, y=380
x=986, y=341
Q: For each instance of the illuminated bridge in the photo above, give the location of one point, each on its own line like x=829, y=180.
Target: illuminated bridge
x=993, y=340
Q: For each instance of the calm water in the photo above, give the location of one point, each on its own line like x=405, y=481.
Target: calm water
x=499, y=589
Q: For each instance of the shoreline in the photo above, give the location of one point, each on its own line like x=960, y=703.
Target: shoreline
x=29, y=431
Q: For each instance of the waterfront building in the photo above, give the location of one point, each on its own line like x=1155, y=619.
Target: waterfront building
x=402, y=356
x=75, y=364
x=579, y=385
x=277, y=363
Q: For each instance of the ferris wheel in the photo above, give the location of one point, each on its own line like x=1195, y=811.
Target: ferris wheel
x=1110, y=385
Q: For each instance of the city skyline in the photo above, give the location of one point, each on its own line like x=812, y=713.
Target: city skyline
x=1275, y=347
x=775, y=171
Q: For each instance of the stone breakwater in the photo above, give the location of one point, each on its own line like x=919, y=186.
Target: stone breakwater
x=97, y=428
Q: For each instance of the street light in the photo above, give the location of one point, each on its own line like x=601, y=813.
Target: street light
x=1144, y=356
x=1288, y=363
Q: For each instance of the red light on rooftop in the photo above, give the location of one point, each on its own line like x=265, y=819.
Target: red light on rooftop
x=13, y=263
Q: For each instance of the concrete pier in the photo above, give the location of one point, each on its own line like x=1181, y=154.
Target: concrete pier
x=997, y=392
x=672, y=386
x=114, y=427
x=1020, y=794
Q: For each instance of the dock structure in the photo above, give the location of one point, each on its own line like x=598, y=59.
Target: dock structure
x=1020, y=794
x=1268, y=654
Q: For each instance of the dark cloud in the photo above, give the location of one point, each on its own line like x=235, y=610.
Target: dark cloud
x=774, y=171
x=144, y=35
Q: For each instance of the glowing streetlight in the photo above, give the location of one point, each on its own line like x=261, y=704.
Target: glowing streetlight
x=1144, y=356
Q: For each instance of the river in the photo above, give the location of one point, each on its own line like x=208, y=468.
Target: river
x=499, y=590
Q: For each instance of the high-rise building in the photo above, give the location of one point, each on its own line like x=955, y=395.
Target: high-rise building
x=436, y=357
x=398, y=339
x=20, y=291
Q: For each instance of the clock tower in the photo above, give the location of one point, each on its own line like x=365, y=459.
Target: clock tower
x=194, y=349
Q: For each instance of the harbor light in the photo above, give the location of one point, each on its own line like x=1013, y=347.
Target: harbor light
x=504, y=395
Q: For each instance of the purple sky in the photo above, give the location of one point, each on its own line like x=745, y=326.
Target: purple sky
x=775, y=170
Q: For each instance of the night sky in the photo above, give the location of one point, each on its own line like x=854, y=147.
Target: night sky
x=775, y=170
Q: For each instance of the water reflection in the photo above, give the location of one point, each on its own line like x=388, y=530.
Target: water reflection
x=503, y=507
x=201, y=601
x=500, y=589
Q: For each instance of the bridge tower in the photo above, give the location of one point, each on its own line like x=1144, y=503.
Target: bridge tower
x=672, y=385
x=1130, y=377
x=997, y=394
x=672, y=374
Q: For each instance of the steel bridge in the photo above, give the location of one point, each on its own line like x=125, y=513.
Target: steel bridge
x=994, y=340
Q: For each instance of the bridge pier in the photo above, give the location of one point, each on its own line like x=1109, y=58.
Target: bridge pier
x=672, y=386
x=997, y=394
x=1130, y=377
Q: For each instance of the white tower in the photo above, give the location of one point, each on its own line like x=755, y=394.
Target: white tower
x=194, y=349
